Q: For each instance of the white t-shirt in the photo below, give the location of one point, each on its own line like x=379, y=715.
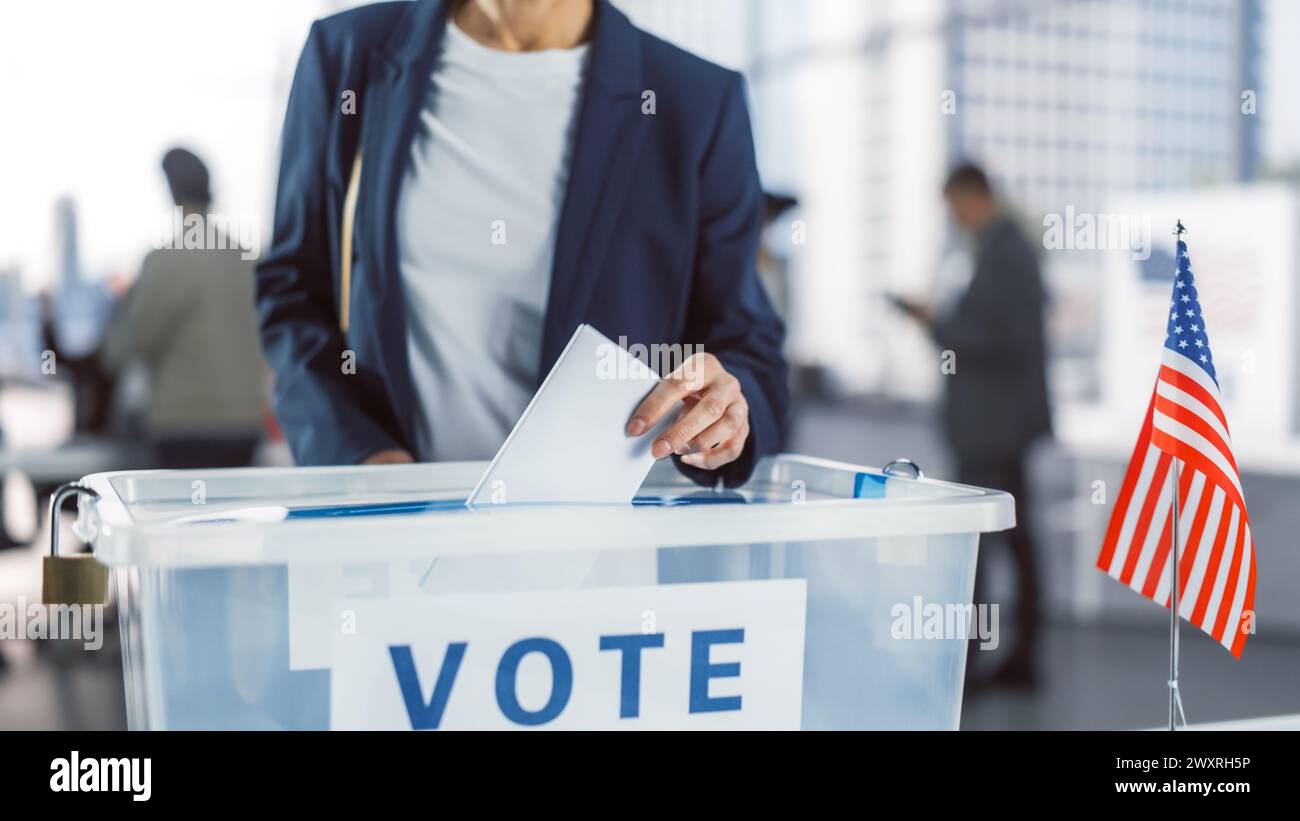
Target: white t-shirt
x=477, y=217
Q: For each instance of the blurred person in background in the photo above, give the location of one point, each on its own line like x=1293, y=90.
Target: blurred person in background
x=74, y=319
x=189, y=319
x=995, y=400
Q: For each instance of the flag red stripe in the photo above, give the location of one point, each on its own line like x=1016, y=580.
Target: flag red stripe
x=1187, y=550
x=1161, y=559
x=1247, y=606
x=1197, y=423
x=1197, y=461
x=1190, y=386
x=1212, y=567
x=1107, y=554
x=1230, y=584
x=1144, y=517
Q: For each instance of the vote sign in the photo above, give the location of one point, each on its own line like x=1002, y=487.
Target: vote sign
x=723, y=655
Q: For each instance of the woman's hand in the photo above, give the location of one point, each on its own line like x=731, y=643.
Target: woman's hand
x=713, y=425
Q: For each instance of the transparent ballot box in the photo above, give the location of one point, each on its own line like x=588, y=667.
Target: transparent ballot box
x=819, y=595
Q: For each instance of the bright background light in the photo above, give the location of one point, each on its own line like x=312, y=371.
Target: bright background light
x=96, y=92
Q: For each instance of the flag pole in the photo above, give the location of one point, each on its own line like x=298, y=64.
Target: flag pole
x=1173, y=603
x=1175, y=701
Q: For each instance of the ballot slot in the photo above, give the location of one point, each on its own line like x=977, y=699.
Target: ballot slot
x=591, y=391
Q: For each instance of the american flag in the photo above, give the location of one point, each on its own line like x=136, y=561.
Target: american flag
x=1185, y=427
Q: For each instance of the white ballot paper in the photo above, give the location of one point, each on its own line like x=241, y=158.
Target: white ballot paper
x=570, y=444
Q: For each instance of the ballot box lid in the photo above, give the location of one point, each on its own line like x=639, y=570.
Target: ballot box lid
x=392, y=512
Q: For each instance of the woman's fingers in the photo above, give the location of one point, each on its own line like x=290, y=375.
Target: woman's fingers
x=709, y=407
x=725, y=453
x=713, y=426
x=693, y=375
x=732, y=420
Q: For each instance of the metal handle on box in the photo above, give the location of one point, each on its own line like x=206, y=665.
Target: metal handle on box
x=889, y=469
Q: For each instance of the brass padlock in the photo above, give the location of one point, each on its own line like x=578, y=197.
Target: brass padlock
x=77, y=579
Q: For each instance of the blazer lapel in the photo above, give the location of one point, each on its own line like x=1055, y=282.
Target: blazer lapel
x=606, y=144
x=399, y=77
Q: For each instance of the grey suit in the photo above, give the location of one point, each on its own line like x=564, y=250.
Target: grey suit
x=996, y=404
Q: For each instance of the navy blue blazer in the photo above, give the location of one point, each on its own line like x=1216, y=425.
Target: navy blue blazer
x=656, y=242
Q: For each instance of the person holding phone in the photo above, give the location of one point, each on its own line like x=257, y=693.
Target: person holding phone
x=995, y=403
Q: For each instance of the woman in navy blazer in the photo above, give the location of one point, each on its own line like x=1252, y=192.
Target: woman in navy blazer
x=656, y=240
